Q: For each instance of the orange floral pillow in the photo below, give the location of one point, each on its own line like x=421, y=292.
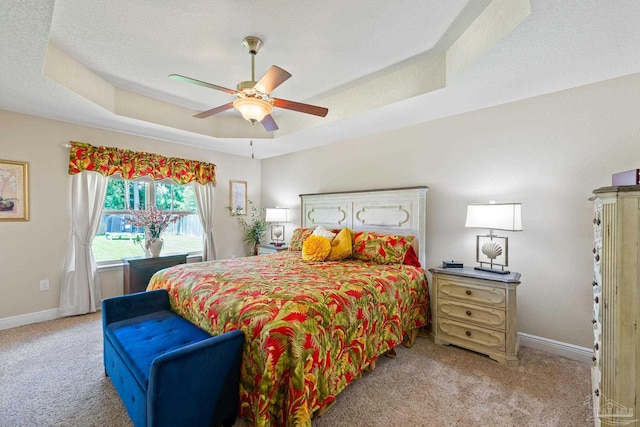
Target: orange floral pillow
x=315, y=248
x=298, y=238
x=380, y=248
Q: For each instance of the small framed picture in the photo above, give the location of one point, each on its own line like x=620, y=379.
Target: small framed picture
x=238, y=197
x=14, y=191
x=492, y=250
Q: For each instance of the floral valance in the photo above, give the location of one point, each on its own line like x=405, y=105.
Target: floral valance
x=136, y=164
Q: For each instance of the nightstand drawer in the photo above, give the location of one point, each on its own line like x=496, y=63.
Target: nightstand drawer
x=468, y=335
x=484, y=316
x=493, y=296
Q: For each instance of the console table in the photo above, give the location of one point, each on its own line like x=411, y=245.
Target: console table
x=138, y=270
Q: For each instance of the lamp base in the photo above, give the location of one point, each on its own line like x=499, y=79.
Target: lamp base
x=491, y=270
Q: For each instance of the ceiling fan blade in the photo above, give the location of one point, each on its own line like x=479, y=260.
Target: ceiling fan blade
x=201, y=83
x=213, y=111
x=269, y=124
x=299, y=106
x=273, y=78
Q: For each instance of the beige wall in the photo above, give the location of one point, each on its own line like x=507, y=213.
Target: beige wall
x=35, y=250
x=547, y=152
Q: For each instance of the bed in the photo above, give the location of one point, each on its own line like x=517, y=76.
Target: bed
x=311, y=327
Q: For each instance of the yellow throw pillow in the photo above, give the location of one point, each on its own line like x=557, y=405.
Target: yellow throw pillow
x=341, y=246
x=315, y=248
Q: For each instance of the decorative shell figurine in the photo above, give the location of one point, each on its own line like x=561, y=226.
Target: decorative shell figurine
x=277, y=233
x=492, y=250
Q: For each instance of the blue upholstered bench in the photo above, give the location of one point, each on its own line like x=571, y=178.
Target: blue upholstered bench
x=168, y=371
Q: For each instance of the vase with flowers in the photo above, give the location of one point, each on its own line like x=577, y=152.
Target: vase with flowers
x=154, y=221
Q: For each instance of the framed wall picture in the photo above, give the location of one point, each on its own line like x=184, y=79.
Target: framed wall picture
x=238, y=197
x=14, y=191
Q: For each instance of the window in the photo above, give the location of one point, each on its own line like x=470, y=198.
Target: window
x=116, y=238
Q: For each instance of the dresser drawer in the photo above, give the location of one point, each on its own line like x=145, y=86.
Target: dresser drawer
x=470, y=336
x=483, y=316
x=468, y=292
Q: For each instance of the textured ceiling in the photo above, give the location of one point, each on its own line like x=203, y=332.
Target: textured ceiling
x=376, y=65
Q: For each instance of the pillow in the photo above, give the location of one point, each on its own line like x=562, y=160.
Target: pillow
x=380, y=248
x=315, y=248
x=341, y=246
x=298, y=238
x=322, y=231
x=411, y=258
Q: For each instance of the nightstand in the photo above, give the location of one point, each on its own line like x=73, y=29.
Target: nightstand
x=271, y=249
x=477, y=310
x=138, y=270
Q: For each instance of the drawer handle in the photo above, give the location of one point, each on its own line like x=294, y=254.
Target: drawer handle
x=468, y=333
x=596, y=346
x=468, y=292
x=597, y=257
x=594, y=283
x=594, y=250
x=468, y=313
x=596, y=299
x=594, y=321
x=593, y=358
x=597, y=392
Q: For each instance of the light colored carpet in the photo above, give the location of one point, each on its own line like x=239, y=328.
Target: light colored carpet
x=51, y=374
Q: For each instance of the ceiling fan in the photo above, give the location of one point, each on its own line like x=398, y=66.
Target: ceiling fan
x=254, y=102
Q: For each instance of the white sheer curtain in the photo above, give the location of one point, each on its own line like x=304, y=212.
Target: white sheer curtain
x=80, y=291
x=205, y=200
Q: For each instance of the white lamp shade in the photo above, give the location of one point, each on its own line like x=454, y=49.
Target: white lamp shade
x=496, y=216
x=253, y=109
x=276, y=215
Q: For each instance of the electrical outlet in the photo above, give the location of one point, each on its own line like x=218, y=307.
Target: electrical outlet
x=44, y=285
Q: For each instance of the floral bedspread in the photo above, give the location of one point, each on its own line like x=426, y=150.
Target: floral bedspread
x=311, y=327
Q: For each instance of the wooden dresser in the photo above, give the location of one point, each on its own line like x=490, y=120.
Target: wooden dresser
x=476, y=310
x=615, y=373
x=138, y=270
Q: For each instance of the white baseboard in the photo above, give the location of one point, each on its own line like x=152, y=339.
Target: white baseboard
x=27, y=319
x=570, y=351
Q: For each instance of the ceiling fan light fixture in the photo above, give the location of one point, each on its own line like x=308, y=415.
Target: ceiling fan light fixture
x=253, y=109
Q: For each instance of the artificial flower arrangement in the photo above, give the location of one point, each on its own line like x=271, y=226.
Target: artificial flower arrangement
x=154, y=221
x=254, y=230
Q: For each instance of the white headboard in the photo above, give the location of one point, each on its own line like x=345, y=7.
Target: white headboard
x=401, y=211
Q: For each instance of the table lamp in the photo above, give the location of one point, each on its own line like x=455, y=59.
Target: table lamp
x=492, y=250
x=276, y=215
